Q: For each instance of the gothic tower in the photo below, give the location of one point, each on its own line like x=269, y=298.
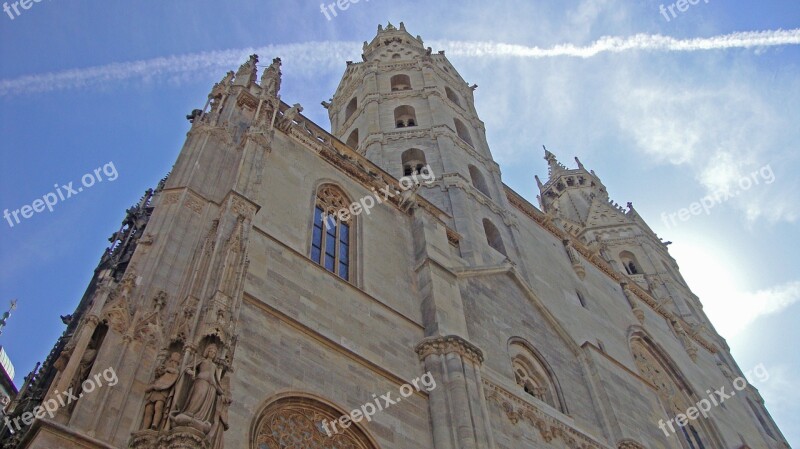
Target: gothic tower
x=405, y=107
x=286, y=287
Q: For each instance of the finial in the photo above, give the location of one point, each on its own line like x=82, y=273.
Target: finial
x=419, y=38
x=380, y=28
x=6, y=315
x=364, y=47
x=579, y=163
x=402, y=26
x=538, y=182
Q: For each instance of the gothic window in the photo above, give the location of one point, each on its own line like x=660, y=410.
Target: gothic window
x=673, y=393
x=351, y=108
x=533, y=376
x=493, y=237
x=630, y=263
x=401, y=82
x=478, y=181
x=405, y=116
x=413, y=161
x=330, y=236
x=463, y=132
x=300, y=422
x=352, y=141
x=452, y=96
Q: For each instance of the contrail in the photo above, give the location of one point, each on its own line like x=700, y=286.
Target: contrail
x=311, y=58
x=610, y=44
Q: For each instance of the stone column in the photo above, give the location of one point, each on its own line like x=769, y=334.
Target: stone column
x=457, y=407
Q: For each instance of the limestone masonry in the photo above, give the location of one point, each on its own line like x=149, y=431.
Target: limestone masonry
x=234, y=318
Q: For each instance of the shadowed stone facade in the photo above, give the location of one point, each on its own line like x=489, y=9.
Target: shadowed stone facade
x=234, y=319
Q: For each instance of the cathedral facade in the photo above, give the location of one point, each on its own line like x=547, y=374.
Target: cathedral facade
x=379, y=287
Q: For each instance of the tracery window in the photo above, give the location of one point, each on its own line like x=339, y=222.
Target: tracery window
x=297, y=423
x=672, y=391
x=330, y=236
x=533, y=375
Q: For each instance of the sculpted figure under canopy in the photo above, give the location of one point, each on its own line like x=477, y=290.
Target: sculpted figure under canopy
x=200, y=406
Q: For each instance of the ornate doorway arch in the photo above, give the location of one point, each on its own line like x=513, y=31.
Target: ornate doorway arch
x=295, y=422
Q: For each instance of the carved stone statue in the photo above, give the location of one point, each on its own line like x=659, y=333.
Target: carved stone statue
x=85, y=366
x=160, y=393
x=220, y=419
x=200, y=407
x=271, y=79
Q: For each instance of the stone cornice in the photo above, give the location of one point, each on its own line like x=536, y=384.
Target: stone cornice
x=595, y=259
x=447, y=345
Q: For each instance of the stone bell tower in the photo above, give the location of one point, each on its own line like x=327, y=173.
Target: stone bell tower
x=405, y=107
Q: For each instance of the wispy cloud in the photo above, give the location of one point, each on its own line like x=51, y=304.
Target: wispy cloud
x=311, y=57
x=610, y=44
x=296, y=57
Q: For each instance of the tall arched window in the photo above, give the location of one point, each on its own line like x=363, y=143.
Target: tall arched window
x=493, y=237
x=352, y=141
x=452, y=96
x=351, y=108
x=400, y=82
x=630, y=263
x=413, y=161
x=303, y=422
x=478, y=181
x=405, y=116
x=533, y=375
x=673, y=392
x=331, y=236
x=463, y=132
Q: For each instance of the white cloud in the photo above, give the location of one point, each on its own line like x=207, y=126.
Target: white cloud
x=732, y=311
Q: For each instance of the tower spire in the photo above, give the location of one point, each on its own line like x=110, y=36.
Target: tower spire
x=6, y=315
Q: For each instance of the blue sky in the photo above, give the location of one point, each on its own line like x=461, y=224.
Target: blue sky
x=85, y=83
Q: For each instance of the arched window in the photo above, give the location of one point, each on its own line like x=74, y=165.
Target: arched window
x=463, y=132
x=331, y=233
x=452, y=96
x=396, y=56
x=673, y=392
x=493, y=237
x=351, y=108
x=401, y=82
x=630, y=263
x=413, y=161
x=533, y=375
x=478, y=181
x=405, y=116
x=352, y=141
x=303, y=422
